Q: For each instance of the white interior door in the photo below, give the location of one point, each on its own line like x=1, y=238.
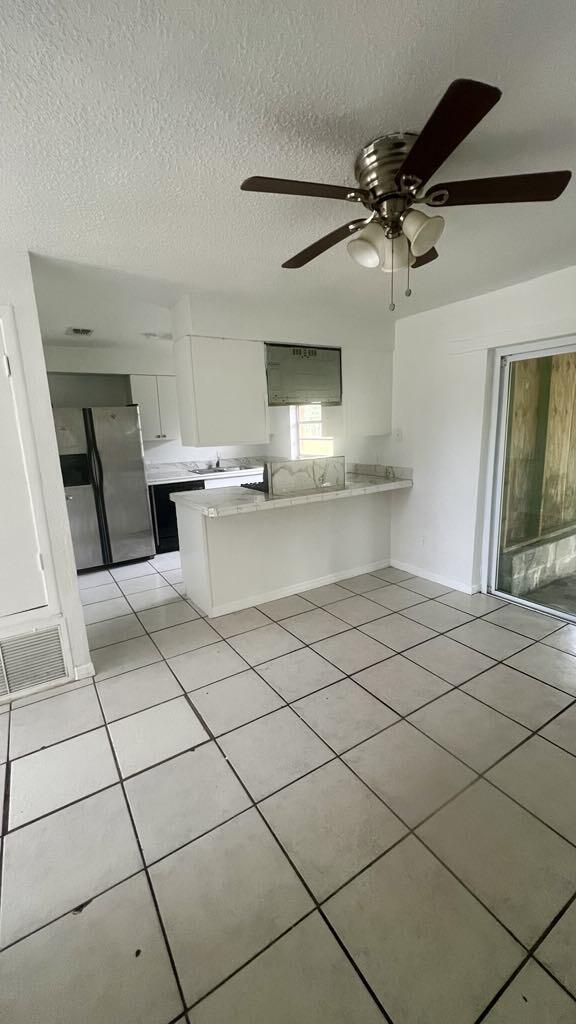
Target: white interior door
x=22, y=581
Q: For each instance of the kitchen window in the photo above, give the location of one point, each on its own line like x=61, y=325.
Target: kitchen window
x=307, y=437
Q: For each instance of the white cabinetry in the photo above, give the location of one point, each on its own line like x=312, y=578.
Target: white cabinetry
x=168, y=404
x=222, y=397
x=156, y=398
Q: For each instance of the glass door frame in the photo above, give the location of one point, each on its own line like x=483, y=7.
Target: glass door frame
x=504, y=357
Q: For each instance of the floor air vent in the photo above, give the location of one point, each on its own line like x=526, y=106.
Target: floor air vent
x=30, y=660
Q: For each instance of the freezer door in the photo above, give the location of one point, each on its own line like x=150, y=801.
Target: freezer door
x=84, y=526
x=120, y=468
x=70, y=432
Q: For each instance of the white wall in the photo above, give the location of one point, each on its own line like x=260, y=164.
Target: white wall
x=149, y=357
x=442, y=377
x=87, y=389
x=16, y=290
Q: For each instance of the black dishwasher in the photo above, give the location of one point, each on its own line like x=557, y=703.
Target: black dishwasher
x=164, y=512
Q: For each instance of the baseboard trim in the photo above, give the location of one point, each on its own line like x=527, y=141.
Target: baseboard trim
x=445, y=581
x=60, y=684
x=275, y=595
x=81, y=671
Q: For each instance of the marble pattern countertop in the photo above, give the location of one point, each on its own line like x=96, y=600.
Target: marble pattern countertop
x=231, y=501
x=174, y=472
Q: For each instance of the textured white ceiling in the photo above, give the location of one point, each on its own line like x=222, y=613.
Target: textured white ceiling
x=126, y=128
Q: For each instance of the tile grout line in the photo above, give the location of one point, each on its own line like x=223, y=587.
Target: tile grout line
x=411, y=831
x=5, y=809
x=450, y=800
x=479, y=775
x=145, y=866
x=400, y=716
x=287, y=704
x=530, y=956
x=402, y=653
x=317, y=906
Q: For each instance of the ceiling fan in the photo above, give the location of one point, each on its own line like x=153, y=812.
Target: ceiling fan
x=391, y=172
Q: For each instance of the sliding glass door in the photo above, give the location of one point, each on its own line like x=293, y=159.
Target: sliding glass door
x=536, y=493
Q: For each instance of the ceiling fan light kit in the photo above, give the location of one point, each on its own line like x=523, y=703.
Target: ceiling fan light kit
x=422, y=232
x=365, y=248
x=391, y=172
x=396, y=255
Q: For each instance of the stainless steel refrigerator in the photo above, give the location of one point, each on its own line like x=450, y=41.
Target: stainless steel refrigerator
x=106, y=493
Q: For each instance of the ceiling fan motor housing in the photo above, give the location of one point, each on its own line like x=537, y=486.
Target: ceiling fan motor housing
x=377, y=163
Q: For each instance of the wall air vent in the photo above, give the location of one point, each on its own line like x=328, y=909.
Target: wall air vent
x=79, y=332
x=31, y=659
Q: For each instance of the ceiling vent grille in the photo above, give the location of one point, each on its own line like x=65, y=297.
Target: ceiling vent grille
x=30, y=660
x=80, y=332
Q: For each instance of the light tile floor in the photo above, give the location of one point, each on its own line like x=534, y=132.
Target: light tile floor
x=347, y=806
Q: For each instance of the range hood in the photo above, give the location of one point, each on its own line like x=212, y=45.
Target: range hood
x=303, y=375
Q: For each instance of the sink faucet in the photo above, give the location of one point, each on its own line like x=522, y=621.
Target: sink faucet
x=217, y=460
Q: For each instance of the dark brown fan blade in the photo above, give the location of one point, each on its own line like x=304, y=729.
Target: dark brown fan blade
x=314, y=250
x=285, y=186
x=461, y=108
x=428, y=257
x=513, y=188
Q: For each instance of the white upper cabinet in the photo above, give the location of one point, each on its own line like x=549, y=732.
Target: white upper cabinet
x=222, y=396
x=168, y=403
x=157, y=401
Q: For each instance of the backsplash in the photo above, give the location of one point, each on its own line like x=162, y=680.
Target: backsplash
x=295, y=476
x=376, y=469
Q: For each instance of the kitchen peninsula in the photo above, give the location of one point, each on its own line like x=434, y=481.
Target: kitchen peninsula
x=241, y=547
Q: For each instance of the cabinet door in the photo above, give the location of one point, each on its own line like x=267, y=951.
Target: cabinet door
x=145, y=395
x=230, y=391
x=185, y=391
x=168, y=402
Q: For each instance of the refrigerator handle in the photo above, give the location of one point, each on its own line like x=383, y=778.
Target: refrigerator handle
x=97, y=475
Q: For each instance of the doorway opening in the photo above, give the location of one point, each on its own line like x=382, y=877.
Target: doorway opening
x=534, y=521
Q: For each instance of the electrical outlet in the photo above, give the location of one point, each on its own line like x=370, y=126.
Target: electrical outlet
x=397, y=434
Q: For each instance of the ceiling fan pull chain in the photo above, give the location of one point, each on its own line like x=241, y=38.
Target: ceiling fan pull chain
x=408, y=291
x=392, y=306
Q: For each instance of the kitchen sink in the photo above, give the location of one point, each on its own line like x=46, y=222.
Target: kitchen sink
x=214, y=469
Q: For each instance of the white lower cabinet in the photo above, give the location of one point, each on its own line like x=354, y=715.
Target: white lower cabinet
x=158, y=404
x=222, y=395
